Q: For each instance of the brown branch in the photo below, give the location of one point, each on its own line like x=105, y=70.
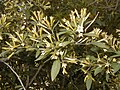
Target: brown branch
x=27, y=81
x=3, y=61
x=40, y=67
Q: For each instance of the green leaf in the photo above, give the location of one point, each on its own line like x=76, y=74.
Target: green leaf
x=97, y=70
x=114, y=56
x=44, y=56
x=119, y=76
x=107, y=77
x=4, y=53
x=116, y=67
x=117, y=52
x=63, y=44
x=90, y=34
x=30, y=49
x=55, y=69
x=88, y=83
x=27, y=13
x=100, y=44
x=94, y=49
x=37, y=53
x=64, y=32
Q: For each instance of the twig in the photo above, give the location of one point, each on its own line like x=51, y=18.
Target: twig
x=92, y=3
x=40, y=67
x=14, y=73
x=107, y=3
x=74, y=85
x=27, y=81
x=116, y=6
x=91, y=22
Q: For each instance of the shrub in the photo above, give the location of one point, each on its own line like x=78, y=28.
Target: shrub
x=44, y=52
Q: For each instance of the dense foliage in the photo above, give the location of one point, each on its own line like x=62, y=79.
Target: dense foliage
x=44, y=45
x=109, y=11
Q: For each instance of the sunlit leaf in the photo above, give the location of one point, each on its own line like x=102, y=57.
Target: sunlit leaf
x=1, y=37
x=71, y=60
x=19, y=36
x=30, y=49
x=11, y=55
x=55, y=69
x=37, y=53
x=3, y=19
x=63, y=44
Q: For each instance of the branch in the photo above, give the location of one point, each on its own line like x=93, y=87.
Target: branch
x=40, y=67
x=91, y=22
x=117, y=3
x=14, y=73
